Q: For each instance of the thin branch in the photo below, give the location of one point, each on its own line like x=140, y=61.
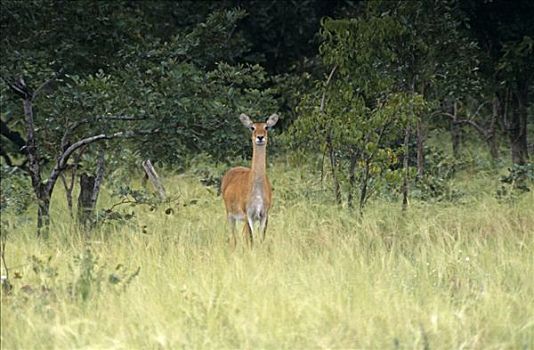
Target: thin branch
x=119, y=117
x=19, y=87
x=123, y=201
x=79, y=123
x=88, y=140
x=480, y=107
x=446, y=114
x=326, y=84
x=62, y=161
x=477, y=127
x=46, y=83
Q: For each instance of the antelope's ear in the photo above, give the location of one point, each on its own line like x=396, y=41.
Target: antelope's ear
x=272, y=120
x=245, y=120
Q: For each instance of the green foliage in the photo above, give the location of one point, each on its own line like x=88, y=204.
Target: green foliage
x=210, y=172
x=44, y=270
x=392, y=68
x=187, y=87
x=129, y=199
x=506, y=36
x=85, y=280
x=16, y=195
x=88, y=277
x=358, y=120
x=514, y=64
x=404, y=45
x=518, y=181
x=283, y=34
x=85, y=37
x=436, y=184
x=363, y=138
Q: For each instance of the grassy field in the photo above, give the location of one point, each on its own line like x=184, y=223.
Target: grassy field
x=442, y=276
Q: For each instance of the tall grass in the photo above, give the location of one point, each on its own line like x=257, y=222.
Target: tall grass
x=441, y=276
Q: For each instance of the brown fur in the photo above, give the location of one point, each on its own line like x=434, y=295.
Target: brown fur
x=247, y=192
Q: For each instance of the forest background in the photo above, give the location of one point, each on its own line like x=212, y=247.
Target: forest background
x=396, y=116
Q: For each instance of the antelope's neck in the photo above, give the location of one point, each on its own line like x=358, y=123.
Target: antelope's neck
x=258, y=164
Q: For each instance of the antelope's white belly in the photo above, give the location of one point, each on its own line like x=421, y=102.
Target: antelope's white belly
x=256, y=208
x=237, y=216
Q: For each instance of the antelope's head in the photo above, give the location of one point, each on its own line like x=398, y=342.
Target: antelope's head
x=259, y=130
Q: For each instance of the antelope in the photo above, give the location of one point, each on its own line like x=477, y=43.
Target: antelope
x=247, y=192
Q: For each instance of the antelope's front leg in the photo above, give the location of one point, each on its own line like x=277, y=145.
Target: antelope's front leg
x=263, y=225
x=247, y=231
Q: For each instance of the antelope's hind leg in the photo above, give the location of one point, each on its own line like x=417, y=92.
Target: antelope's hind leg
x=232, y=228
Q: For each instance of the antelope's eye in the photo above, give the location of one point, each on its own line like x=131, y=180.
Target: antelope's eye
x=252, y=128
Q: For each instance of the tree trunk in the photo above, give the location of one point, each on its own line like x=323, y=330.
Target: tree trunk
x=517, y=126
x=89, y=191
x=493, y=147
x=332, y=155
x=456, y=131
x=85, y=207
x=329, y=145
x=420, y=136
x=491, y=138
x=100, y=168
x=420, y=150
x=352, y=178
x=69, y=187
x=43, y=217
x=406, y=169
x=364, y=186
x=68, y=193
x=34, y=168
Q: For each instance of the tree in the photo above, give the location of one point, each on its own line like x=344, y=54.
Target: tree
x=183, y=88
x=394, y=62
x=358, y=119
x=505, y=34
x=43, y=188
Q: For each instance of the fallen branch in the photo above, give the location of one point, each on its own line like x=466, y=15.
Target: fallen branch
x=154, y=178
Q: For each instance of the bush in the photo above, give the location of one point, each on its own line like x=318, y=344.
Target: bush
x=517, y=181
x=16, y=193
x=435, y=184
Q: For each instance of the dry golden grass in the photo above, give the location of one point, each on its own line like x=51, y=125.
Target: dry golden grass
x=443, y=276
